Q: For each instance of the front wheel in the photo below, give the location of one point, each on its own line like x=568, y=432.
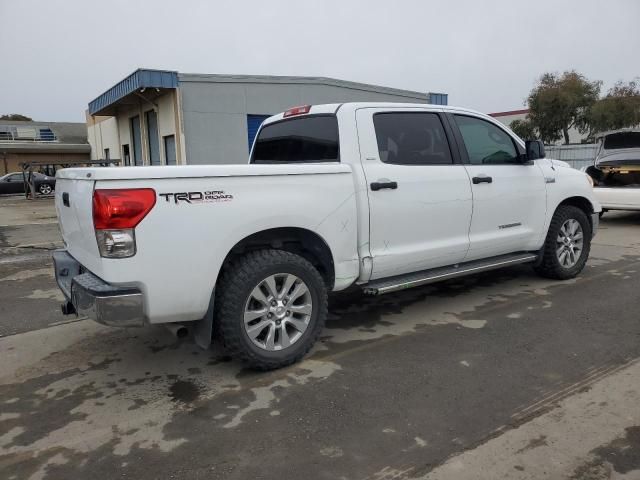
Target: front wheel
x=271, y=307
x=567, y=245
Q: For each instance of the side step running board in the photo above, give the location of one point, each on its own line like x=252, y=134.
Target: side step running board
x=401, y=282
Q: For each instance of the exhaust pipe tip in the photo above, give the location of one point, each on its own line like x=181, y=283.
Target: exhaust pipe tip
x=182, y=332
x=178, y=330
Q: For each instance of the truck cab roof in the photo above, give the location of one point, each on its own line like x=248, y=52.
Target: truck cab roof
x=333, y=108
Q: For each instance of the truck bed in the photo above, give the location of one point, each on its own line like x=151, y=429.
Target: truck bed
x=201, y=212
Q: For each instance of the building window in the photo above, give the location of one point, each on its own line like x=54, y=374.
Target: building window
x=46, y=134
x=27, y=132
x=136, y=140
x=170, y=149
x=6, y=133
x=151, y=119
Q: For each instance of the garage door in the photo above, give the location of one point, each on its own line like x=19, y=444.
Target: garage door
x=253, y=125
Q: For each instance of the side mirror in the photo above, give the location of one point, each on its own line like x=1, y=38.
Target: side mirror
x=535, y=149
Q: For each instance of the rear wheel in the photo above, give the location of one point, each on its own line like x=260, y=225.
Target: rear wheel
x=45, y=189
x=567, y=245
x=271, y=307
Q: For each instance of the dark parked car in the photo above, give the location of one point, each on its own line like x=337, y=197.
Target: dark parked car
x=13, y=183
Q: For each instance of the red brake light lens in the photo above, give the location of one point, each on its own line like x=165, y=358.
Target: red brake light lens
x=297, y=111
x=121, y=208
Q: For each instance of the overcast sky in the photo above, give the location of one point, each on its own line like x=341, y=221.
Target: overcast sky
x=57, y=55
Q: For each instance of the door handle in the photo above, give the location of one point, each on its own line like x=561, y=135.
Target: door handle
x=482, y=179
x=375, y=186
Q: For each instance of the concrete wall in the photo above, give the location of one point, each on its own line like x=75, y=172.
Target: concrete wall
x=215, y=113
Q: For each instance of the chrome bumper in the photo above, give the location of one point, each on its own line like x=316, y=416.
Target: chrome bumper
x=595, y=223
x=95, y=298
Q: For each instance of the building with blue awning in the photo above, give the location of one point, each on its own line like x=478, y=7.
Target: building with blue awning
x=161, y=117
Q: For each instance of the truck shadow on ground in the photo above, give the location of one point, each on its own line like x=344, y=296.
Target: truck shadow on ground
x=620, y=218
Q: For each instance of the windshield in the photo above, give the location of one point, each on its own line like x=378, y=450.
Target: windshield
x=309, y=139
x=622, y=140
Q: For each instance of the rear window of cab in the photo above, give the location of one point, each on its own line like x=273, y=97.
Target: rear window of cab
x=308, y=139
x=615, y=141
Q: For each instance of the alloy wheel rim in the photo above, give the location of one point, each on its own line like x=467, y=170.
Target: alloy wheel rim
x=45, y=189
x=277, y=312
x=570, y=243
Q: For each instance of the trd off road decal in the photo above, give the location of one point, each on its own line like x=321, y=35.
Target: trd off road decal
x=197, y=197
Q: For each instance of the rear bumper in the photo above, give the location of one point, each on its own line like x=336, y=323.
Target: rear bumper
x=91, y=296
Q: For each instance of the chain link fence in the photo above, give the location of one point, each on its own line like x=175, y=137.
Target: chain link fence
x=577, y=156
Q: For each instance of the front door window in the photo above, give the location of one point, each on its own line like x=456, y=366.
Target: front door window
x=486, y=144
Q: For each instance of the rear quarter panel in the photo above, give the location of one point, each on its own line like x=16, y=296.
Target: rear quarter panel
x=181, y=245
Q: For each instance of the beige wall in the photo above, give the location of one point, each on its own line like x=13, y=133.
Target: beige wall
x=102, y=133
x=114, y=132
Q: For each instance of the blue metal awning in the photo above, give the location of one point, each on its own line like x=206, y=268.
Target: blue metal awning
x=139, y=79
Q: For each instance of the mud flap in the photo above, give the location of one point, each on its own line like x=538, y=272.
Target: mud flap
x=203, y=329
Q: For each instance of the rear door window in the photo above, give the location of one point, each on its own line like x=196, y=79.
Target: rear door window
x=411, y=138
x=309, y=139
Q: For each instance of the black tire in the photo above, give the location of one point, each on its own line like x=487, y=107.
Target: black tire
x=45, y=189
x=238, y=280
x=549, y=265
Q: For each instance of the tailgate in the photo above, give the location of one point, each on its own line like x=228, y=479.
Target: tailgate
x=73, y=200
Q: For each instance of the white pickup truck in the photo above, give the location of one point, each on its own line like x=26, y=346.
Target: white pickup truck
x=377, y=196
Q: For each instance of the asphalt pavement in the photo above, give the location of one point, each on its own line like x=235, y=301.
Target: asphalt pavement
x=499, y=375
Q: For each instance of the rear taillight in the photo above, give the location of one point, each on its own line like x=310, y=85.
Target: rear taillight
x=121, y=208
x=116, y=213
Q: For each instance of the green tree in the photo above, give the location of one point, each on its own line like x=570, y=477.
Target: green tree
x=524, y=129
x=16, y=117
x=560, y=102
x=620, y=108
